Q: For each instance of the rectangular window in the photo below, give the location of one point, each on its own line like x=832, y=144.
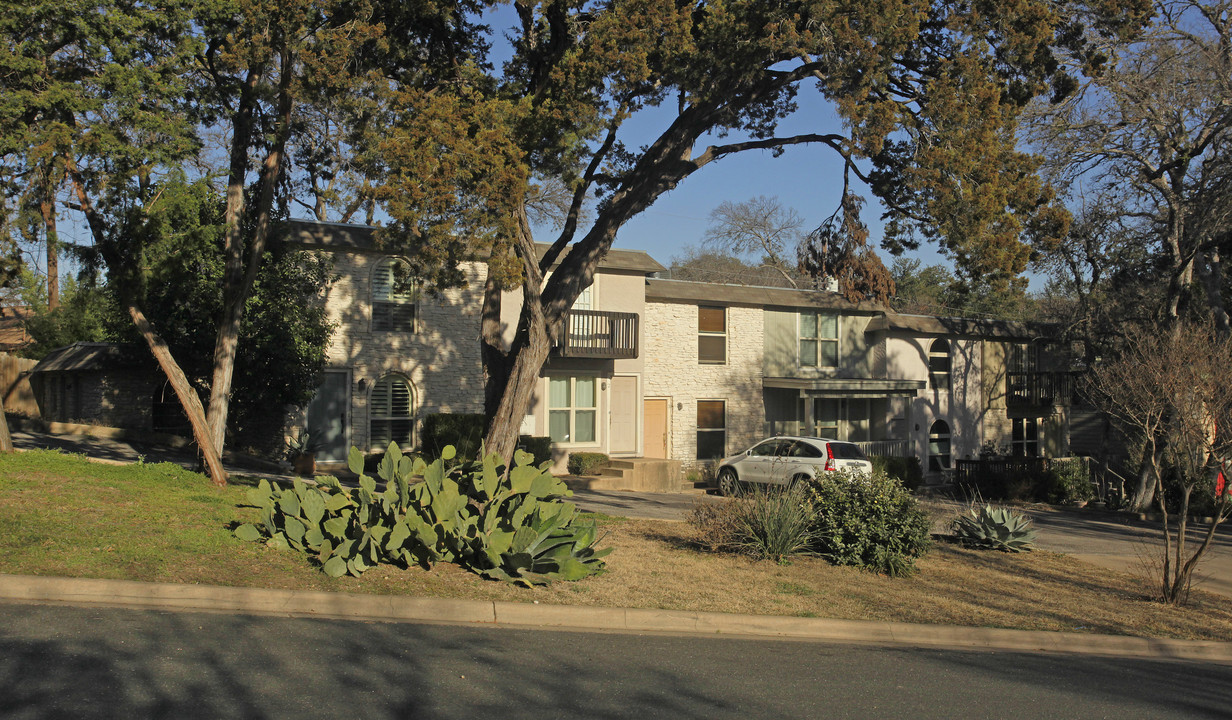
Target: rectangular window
x=572, y=403
x=1025, y=438
x=826, y=416
x=818, y=339
x=394, y=292
x=711, y=429
x=712, y=335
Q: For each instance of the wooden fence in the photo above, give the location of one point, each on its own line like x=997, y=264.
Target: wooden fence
x=15, y=382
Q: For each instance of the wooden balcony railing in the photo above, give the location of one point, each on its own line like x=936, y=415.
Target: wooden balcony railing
x=599, y=334
x=1037, y=389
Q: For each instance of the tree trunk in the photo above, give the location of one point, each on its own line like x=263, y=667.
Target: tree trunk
x=183, y=390
x=186, y=394
x=6, y=440
x=48, y=209
x=496, y=364
x=1144, y=492
x=244, y=259
x=502, y=437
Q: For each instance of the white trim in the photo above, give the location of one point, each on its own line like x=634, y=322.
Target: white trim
x=600, y=406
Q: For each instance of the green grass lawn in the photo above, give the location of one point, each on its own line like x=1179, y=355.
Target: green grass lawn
x=61, y=515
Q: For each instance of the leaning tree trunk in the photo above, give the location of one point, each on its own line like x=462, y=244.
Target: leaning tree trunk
x=186, y=394
x=183, y=390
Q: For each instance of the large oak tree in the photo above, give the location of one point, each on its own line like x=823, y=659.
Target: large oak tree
x=929, y=93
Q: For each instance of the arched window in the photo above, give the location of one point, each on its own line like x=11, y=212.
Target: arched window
x=939, y=447
x=394, y=292
x=939, y=364
x=389, y=413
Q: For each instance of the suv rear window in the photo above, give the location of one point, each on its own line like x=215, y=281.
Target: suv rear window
x=847, y=451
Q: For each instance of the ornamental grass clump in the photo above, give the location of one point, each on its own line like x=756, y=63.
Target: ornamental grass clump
x=773, y=523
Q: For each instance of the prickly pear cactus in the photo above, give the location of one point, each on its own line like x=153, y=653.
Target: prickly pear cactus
x=509, y=526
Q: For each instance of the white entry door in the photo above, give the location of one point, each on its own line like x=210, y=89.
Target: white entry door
x=623, y=437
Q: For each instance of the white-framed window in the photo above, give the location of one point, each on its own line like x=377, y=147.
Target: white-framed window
x=711, y=335
x=939, y=364
x=585, y=299
x=711, y=429
x=939, y=447
x=573, y=409
x=818, y=339
x=394, y=293
x=1024, y=440
x=390, y=413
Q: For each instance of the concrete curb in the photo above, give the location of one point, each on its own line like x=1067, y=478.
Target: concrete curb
x=386, y=608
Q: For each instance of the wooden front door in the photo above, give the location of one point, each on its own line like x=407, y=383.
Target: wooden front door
x=654, y=417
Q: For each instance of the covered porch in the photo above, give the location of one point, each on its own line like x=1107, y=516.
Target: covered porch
x=866, y=411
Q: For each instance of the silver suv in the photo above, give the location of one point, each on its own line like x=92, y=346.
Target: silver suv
x=784, y=460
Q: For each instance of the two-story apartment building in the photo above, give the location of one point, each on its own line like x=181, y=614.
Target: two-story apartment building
x=683, y=370
x=657, y=368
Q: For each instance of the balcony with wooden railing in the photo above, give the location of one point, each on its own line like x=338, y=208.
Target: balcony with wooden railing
x=598, y=334
x=1038, y=389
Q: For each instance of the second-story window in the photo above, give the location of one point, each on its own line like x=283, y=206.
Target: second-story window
x=818, y=339
x=939, y=364
x=712, y=335
x=394, y=292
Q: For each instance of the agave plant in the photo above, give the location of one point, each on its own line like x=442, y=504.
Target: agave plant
x=996, y=528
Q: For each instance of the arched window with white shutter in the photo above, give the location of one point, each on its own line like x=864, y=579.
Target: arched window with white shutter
x=390, y=410
x=394, y=292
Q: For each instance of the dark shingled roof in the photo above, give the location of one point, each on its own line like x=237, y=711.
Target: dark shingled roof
x=362, y=238
x=718, y=294
x=95, y=356
x=929, y=325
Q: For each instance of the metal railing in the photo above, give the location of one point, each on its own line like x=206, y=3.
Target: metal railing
x=1035, y=389
x=598, y=334
x=885, y=448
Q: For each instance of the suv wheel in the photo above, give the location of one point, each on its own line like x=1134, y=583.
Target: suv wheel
x=729, y=486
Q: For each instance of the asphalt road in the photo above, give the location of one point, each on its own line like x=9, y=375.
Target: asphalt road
x=61, y=661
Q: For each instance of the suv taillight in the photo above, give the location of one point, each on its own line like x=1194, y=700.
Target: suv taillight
x=830, y=458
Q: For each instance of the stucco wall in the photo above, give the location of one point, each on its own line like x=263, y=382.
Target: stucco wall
x=669, y=334
x=961, y=406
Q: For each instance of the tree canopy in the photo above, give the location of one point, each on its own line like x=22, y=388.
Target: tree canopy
x=929, y=94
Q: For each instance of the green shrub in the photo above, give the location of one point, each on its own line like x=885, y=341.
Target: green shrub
x=509, y=526
x=586, y=463
x=1071, y=482
x=870, y=522
x=464, y=432
x=771, y=522
x=540, y=447
x=906, y=469
x=995, y=528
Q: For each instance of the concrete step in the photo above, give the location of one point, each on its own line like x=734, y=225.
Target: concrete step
x=595, y=482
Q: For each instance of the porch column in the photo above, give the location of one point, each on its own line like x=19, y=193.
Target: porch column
x=808, y=429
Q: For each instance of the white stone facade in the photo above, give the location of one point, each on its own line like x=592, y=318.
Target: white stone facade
x=672, y=372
